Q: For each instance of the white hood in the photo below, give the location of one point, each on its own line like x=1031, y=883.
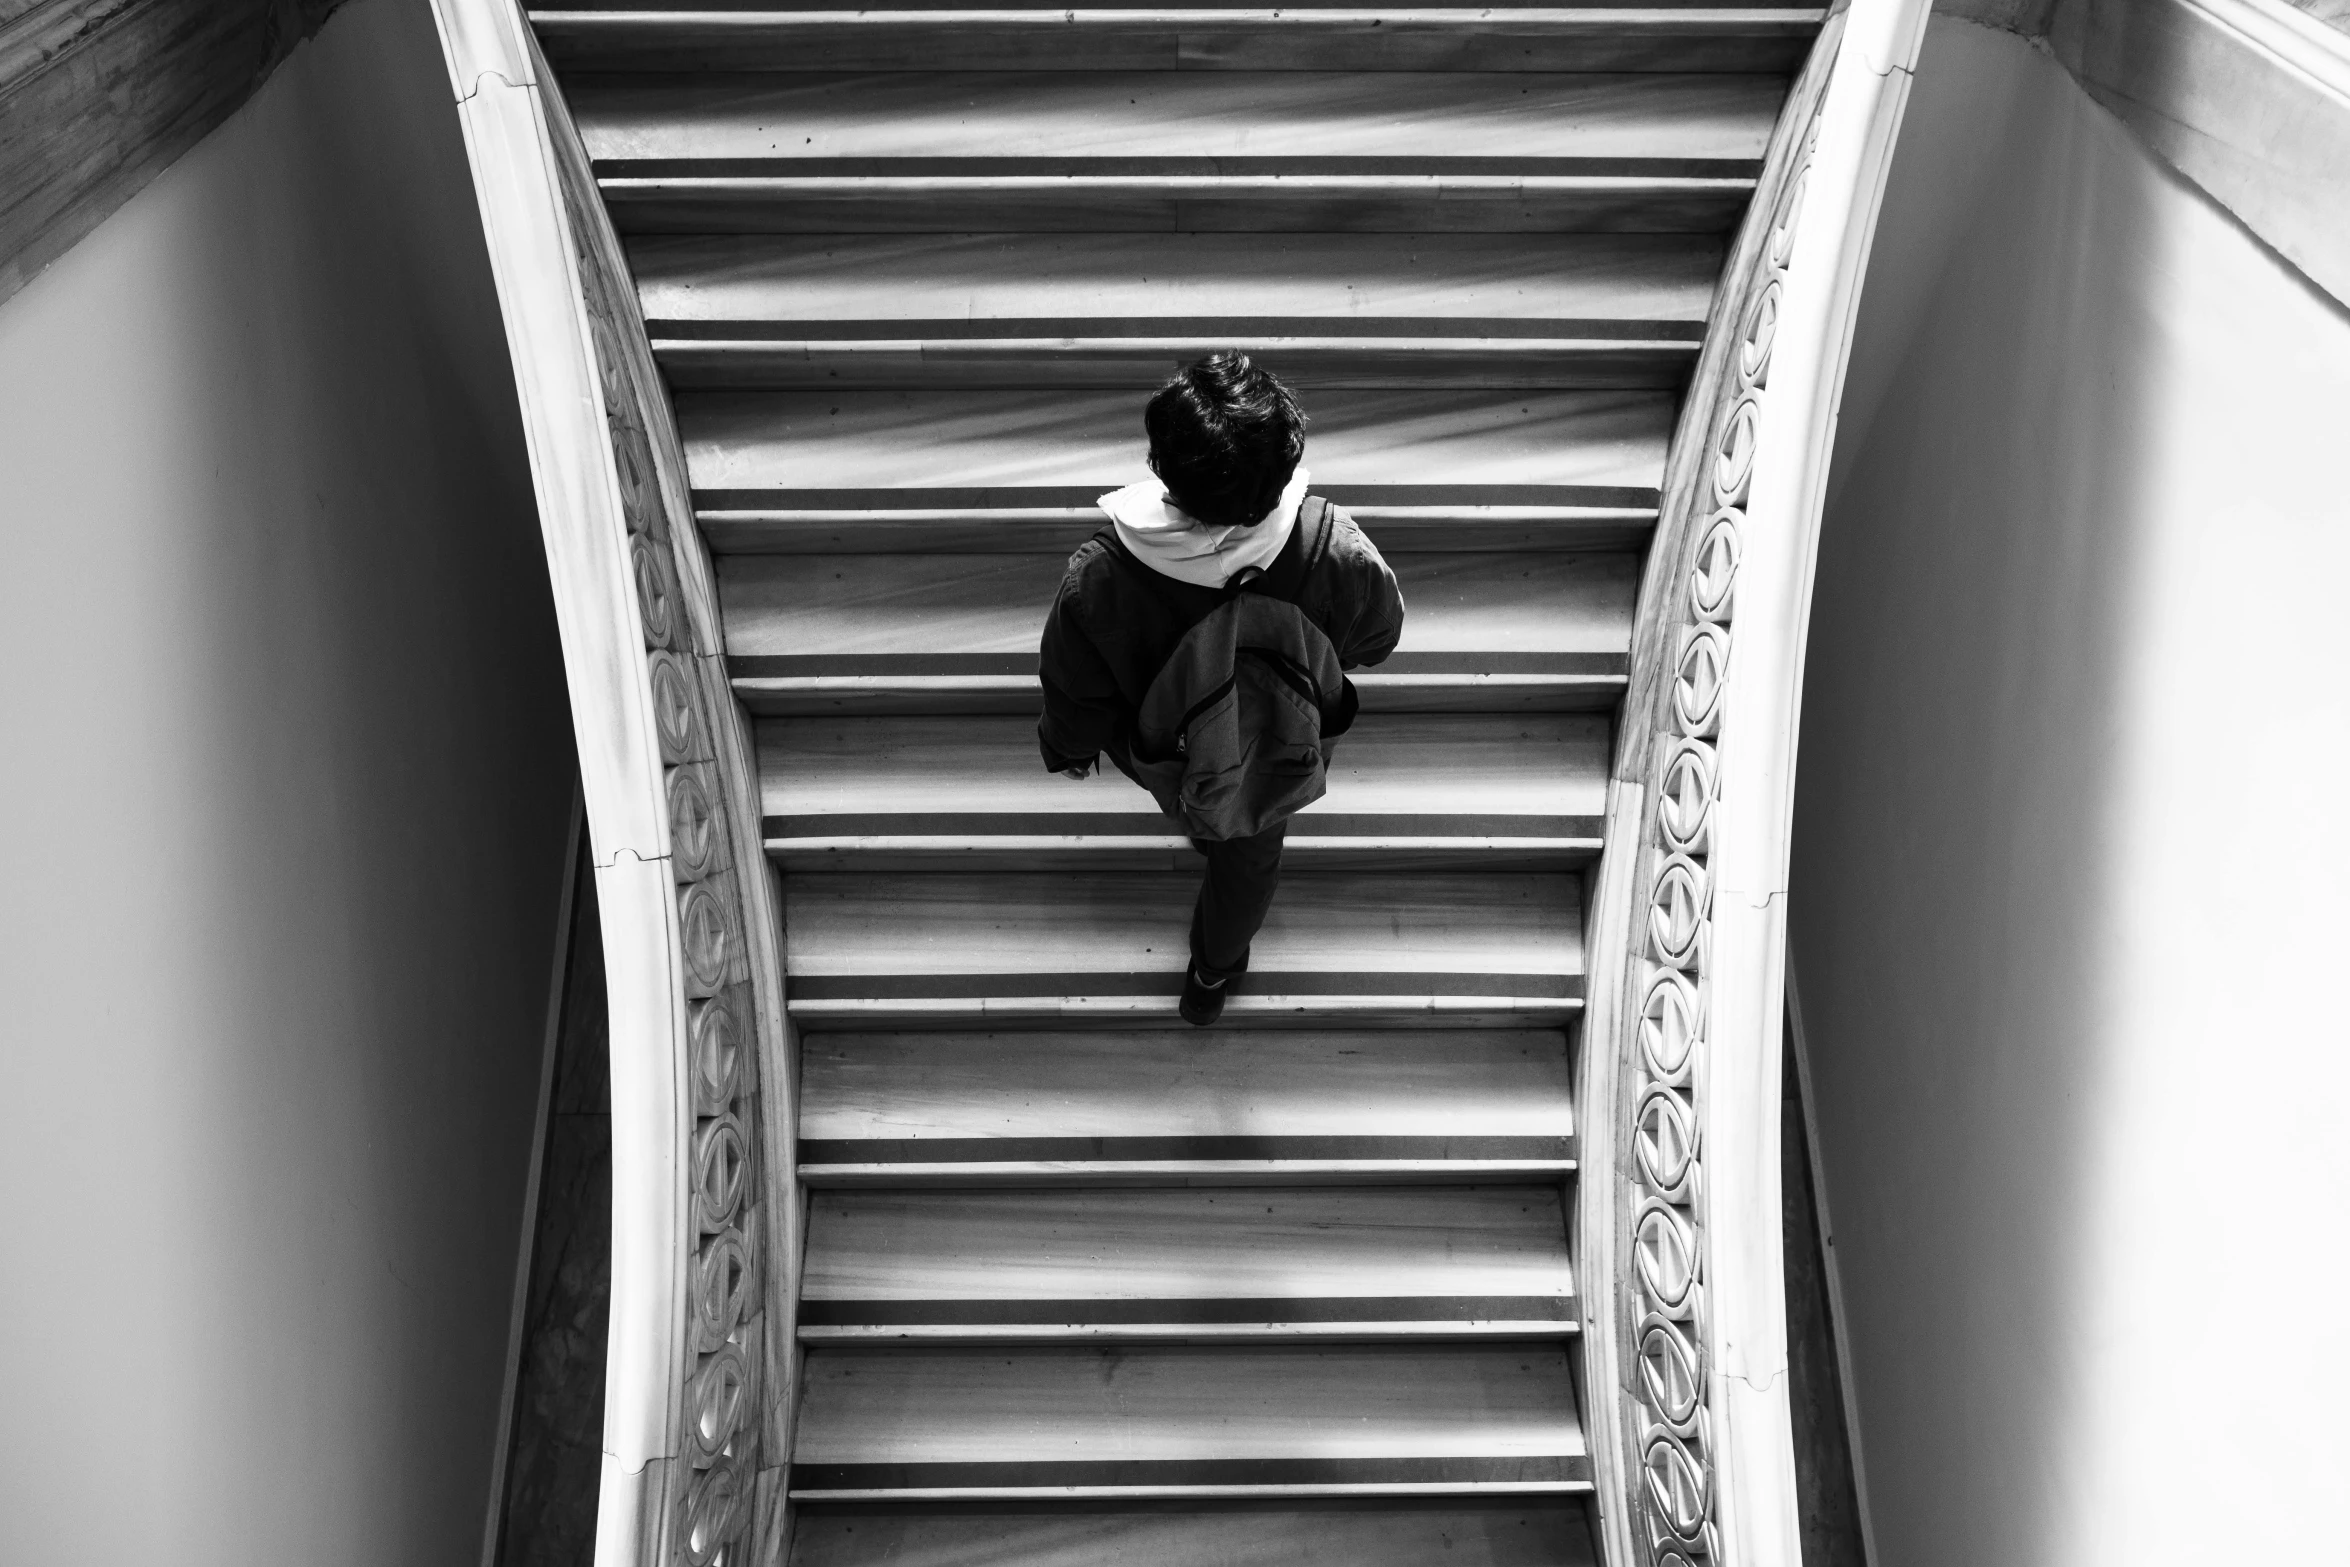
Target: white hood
x=1177, y=545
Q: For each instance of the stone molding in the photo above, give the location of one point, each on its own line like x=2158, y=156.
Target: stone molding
x=1680, y=1213
x=700, y=1368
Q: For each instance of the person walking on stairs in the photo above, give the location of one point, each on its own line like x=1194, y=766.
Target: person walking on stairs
x=1200, y=642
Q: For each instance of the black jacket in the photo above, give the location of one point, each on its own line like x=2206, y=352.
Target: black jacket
x=1108, y=633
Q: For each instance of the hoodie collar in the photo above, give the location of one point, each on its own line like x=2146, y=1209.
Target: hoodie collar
x=1176, y=544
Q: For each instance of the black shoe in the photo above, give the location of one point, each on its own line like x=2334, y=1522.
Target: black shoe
x=1202, y=1002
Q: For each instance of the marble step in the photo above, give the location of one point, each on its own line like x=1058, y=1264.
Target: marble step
x=1188, y=1107
x=687, y=35
x=1054, y=525
x=1187, y=1265
x=818, y=635
x=1418, y=789
x=1351, y=1532
x=1125, y=310
x=889, y=949
x=1161, y=152
x=856, y=472
x=1075, y=1423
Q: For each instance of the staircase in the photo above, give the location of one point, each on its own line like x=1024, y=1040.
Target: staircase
x=1084, y=1288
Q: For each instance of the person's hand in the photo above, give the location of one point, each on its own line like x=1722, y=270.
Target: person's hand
x=1077, y=772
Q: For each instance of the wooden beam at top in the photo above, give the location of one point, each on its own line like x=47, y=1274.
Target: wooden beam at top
x=97, y=97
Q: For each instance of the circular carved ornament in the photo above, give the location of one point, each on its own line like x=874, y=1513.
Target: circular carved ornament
x=1672, y=1377
x=724, y=1286
x=1679, y=1487
x=1664, y=1143
x=1664, y=1256
x=1754, y=343
x=1672, y=1020
x=656, y=590
x=1685, y=797
x=706, y=936
x=1713, y=572
x=717, y=1512
x=717, y=1039
x=721, y=1173
x=1698, y=680
x=1784, y=225
x=677, y=716
x=718, y=1399
x=640, y=484
x=1677, y=911
x=697, y=835
x=1734, y=445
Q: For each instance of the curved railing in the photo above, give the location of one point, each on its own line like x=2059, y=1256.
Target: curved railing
x=696, y=1400
x=1679, y=1212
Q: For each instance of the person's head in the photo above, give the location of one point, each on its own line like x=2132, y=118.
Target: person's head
x=1225, y=437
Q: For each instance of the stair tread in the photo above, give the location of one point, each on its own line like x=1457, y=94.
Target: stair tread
x=1358, y=1532
x=1463, y=527
x=808, y=36
x=1081, y=1252
x=1436, y=765
x=1133, y=285
x=812, y=612
x=1191, y=1417
x=1089, y=927
x=812, y=123
x=1152, y=1107
x=683, y=12
x=1521, y=775
x=883, y=948
x=1155, y=1107
x=885, y=448
x=1287, y=1089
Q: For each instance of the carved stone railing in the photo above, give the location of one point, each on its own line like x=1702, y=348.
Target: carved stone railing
x=1679, y=1211
x=705, y=1223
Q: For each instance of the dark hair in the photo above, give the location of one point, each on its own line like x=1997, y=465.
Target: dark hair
x=1225, y=437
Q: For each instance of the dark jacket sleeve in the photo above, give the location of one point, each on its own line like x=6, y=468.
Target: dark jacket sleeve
x=1369, y=605
x=1083, y=706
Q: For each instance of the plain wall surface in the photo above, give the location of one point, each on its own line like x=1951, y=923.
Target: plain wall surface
x=288, y=780
x=2068, y=897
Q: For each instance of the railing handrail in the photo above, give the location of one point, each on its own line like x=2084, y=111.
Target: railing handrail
x=1691, y=1432
x=698, y=1361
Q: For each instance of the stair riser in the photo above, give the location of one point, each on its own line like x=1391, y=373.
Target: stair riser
x=1564, y=364
x=1271, y=204
x=1296, y=40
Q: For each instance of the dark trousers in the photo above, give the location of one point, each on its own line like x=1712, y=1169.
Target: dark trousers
x=1242, y=875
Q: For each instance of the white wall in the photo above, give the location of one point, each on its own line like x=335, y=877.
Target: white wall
x=287, y=777
x=2071, y=879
